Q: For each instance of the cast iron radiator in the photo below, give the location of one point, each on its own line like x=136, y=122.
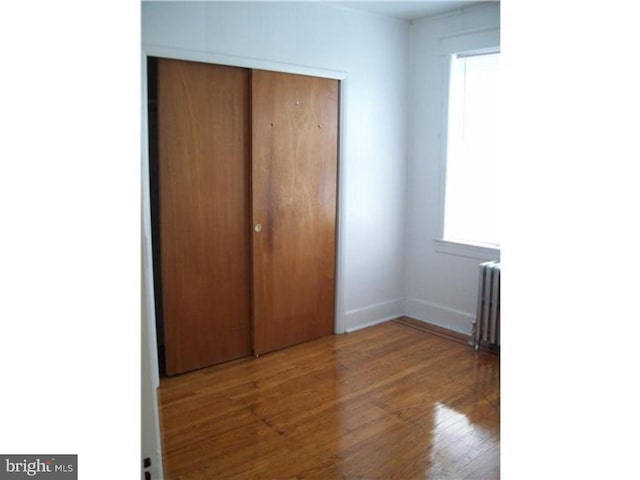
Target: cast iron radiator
x=486, y=327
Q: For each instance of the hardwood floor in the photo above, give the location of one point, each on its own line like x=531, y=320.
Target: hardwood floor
x=387, y=402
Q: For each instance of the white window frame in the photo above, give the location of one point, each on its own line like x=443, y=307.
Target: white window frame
x=442, y=245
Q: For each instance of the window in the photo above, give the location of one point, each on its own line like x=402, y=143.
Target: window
x=473, y=161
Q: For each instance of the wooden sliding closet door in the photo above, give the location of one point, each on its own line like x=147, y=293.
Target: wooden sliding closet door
x=203, y=167
x=294, y=144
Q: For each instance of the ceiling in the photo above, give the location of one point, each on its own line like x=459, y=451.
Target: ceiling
x=406, y=10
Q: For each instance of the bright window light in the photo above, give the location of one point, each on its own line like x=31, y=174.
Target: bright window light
x=473, y=160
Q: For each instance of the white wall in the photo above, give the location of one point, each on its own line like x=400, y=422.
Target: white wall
x=370, y=52
x=440, y=288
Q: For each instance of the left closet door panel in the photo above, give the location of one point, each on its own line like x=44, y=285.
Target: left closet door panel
x=203, y=167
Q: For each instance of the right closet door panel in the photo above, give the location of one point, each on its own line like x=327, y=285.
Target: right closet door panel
x=294, y=190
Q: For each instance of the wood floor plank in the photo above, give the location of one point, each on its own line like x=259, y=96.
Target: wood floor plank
x=389, y=401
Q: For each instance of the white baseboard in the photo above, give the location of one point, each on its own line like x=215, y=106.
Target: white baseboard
x=374, y=314
x=432, y=313
x=440, y=315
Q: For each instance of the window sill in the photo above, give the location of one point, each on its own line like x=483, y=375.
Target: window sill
x=466, y=250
